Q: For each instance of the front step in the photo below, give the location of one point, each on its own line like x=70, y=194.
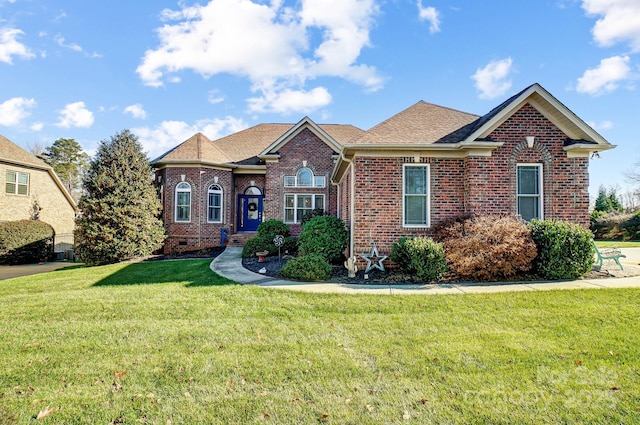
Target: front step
x=239, y=239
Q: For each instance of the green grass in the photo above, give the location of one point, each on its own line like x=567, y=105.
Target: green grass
x=618, y=244
x=171, y=342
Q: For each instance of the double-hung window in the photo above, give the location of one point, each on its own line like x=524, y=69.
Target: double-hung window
x=530, y=191
x=183, y=202
x=17, y=183
x=297, y=205
x=415, y=194
x=214, y=204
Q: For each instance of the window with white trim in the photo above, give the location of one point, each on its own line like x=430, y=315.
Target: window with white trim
x=183, y=202
x=529, y=191
x=214, y=204
x=304, y=178
x=415, y=195
x=17, y=183
x=297, y=205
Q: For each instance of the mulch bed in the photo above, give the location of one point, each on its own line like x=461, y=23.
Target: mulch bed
x=273, y=265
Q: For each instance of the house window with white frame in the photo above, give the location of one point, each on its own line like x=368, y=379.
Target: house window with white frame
x=529, y=191
x=17, y=183
x=415, y=194
x=304, y=178
x=297, y=205
x=183, y=202
x=214, y=204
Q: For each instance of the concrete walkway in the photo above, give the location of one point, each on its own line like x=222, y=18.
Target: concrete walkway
x=229, y=265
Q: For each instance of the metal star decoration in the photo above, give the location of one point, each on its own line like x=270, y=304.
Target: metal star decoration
x=373, y=259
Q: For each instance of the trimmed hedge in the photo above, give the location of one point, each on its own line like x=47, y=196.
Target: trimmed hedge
x=307, y=268
x=420, y=256
x=565, y=250
x=25, y=241
x=324, y=235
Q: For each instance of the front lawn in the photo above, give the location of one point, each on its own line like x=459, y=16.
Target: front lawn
x=171, y=342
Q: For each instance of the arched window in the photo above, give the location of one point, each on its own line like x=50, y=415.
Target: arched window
x=183, y=202
x=252, y=190
x=214, y=204
x=304, y=178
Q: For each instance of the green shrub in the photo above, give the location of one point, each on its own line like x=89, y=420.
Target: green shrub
x=25, y=241
x=615, y=226
x=316, y=212
x=307, y=268
x=420, y=256
x=326, y=236
x=565, y=250
x=488, y=247
x=269, y=229
x=290, y=245
x=258, y=244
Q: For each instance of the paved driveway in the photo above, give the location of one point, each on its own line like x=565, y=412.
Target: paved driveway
x=8, y=272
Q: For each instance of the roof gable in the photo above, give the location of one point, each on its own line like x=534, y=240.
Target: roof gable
x=10, y=153
x=305, y=123
x=535, y=95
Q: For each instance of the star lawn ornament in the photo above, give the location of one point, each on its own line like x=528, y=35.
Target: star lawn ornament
x=373, y=259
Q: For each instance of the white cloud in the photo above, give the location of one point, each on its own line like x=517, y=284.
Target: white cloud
x=136, y=111
x=36, y=126
x=10, y=46
x=619, y=22
x=271, y=45
x=71, y=46
x=493, y=80
x=14, y=110
x=215, y=97
x=60, y=40
x=75, y=115
x=168, y=134
x=605, y=77
x=431, y=15
x=288, y=101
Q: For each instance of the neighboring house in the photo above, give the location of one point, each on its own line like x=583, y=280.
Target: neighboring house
x=528, y=156
x=28, y=183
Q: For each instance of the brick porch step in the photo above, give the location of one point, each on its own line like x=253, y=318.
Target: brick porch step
x=240, y=238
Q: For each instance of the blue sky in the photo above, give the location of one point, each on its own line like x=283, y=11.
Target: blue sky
x=168, y=69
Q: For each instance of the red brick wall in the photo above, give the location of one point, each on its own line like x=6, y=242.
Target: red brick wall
x=304, y=146
x=492, y=181
x=484, y=185
x=196, y=234
x=378, y=205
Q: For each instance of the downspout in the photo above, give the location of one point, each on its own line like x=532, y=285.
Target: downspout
x=352, y=203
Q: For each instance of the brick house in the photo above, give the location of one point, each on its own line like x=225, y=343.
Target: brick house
x=527, y=156
x=29, y=183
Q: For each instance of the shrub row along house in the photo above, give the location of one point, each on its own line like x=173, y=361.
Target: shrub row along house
x=528, y=156
x=31, y=189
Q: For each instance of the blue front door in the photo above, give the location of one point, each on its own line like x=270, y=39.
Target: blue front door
x=249, y=212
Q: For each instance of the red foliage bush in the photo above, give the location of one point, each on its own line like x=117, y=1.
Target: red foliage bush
x=488, y=248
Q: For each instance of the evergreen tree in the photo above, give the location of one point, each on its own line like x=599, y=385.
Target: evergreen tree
x=119, y=213
x=68, y=161
x=607, y=200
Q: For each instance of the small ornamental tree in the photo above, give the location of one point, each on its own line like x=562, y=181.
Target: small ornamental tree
x=119, y=213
